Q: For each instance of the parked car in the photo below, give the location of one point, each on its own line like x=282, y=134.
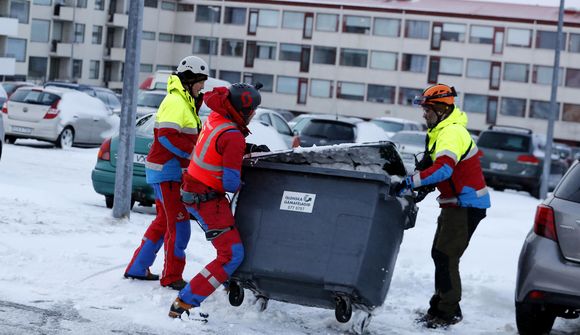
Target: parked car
x=59, y=115
x=409, y=143
x=513, y=158
x=107, y=96
x=1, y=128
x=547, y=284
x=103, y=175
x=3, y=95
x=11, y=86
x=392, y=125
x=326, y=129
x=149, y=101
x=276, y=120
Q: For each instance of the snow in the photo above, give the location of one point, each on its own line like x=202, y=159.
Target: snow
x=62, y=257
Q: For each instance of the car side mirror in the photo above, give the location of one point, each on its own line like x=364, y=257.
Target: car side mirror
x=295, y=132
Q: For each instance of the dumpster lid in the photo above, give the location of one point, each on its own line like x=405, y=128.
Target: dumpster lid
x=377, y=157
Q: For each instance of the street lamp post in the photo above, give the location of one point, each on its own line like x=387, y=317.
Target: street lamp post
x=215, y=11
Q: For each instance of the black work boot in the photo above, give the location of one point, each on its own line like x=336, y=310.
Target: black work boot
x=177, y=285
x=178, y=307
x=148, y=276
x=444, y=321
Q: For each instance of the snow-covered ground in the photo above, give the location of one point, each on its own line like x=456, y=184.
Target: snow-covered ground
x=62, y=257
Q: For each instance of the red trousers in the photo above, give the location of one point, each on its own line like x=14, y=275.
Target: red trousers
x=171, y=228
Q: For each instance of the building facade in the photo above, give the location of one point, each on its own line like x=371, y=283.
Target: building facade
x=367, y=58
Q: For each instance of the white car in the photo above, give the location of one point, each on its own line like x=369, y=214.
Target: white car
x=276, y=120
x=3, y=97
x=149, y=101
x=410, y=143
x=60, y=115
x=392, y=125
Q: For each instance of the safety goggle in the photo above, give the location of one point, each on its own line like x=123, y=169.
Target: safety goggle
x=420, y=100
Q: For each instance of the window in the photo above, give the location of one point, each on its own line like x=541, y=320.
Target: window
x=453, y=32
x=266, y=79
x=234, y=48
x=99, y=4
x=208, y=14
x=321, y=88
x=475, y=103
x=324, y=55
x=146, y=68
x=481, y=35
x=184, y=7
x=327, y=22
x=19, y=10
x=386, y=27
x=235, y=15
x=356, y=24
x=350, y=91
x=293, y=20
x=353, y=57
x=205, y=45
x=230, y=76
x=150, y=3
x=478, y=68
x=97, y=34
x=77, y=70
x=547, y=40
x=513, y=107
x=407, y=95
x=574, y=45
x=42, y=2
x=417, y=29
x=541, y=110
x=414, y=63
x=571, y=113
x=168, y=5
x=495, y=76
x=265, y=50
x=39, y=30
x=94, y=69
x=37, y=67
x=164, y=37
x=519, y=37
x=160, y=67
x=380, y=93
x=268, y=18
x=16, y=47
x=148, y=35
x=543, y=75
x=572, y=77
x=182, y=39
x=383, y=60
x=516, y=72
x=287, y=85
x=79, y=33
x=291, y=52
x=451, y=66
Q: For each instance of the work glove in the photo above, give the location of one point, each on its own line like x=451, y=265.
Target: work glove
x=405, y=185
x=250, y=147
x=198, y=102
x=422, y=192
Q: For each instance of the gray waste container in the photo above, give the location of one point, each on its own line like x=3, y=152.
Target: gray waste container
x=321, y=227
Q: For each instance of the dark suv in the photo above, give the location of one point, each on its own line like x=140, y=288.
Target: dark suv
x=513, y=158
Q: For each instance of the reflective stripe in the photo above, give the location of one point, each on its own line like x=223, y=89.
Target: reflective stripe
x=416, y=180
x=192, y=131
x=448, y=153
x=153, y=166
x=171, y=125
x=471, y=153
x=214, y=282
x=480, y=193
x=199, y=159
x=205, y=272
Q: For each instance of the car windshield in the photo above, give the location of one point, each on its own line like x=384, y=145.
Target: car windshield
x=389, y=125
x=570, y=186
x=147, y=99
x=407, y=138
x=504, y=141
x=329, y=130
x=145, y=125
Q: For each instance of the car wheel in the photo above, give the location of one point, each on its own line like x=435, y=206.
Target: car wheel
x=66, y=138
x=533, y=319
x=110, y=200
x=9, y=139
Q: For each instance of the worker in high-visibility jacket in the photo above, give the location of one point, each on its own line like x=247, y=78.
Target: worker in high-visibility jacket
x=215, y=169
x=177, y=127
x=451, y=163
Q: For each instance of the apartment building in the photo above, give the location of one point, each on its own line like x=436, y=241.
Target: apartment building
x=364, y=58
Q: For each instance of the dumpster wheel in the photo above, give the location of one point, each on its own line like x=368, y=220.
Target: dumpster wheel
x=236, y=294
x=343, y=310
x=262, y=302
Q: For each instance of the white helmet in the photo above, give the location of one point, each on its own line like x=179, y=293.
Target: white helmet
x=193, y=64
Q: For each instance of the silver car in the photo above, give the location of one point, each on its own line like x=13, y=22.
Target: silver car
x=548, y=280
x=60, y=115
x=276, y=120
x=3, y=97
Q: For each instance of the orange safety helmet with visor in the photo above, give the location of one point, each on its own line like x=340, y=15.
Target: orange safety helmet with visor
x=436, y=94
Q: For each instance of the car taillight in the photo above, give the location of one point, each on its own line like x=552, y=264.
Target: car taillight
x=528, y=159
x=52, y=111
x=544, y=223
x=5, y=108
x=295, y=141
x=105, y=150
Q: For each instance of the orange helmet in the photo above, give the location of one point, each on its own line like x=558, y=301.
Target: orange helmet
x=438, y=93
